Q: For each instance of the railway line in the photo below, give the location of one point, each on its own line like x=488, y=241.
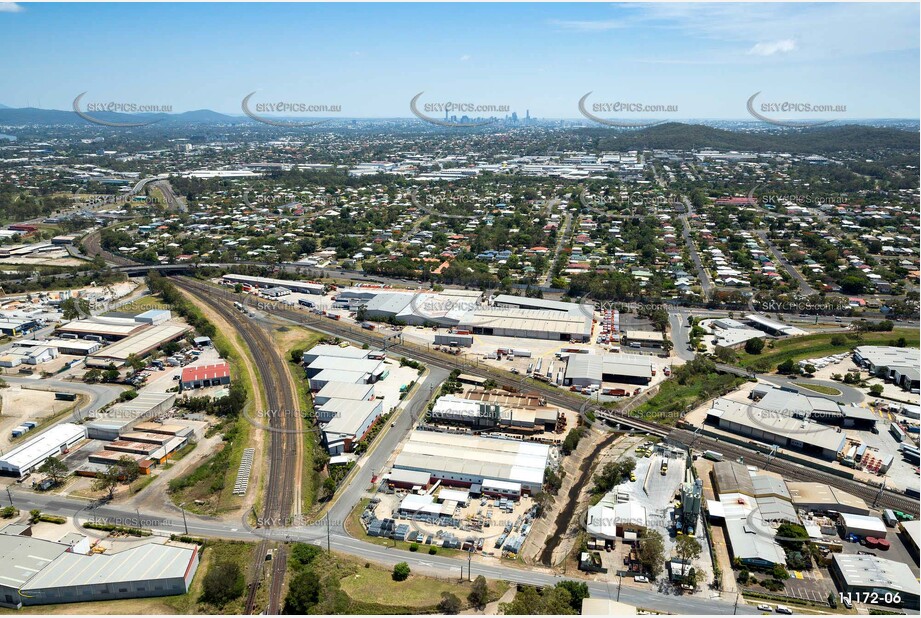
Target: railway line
x=285, y=448
x=556, y=396
x=754, y=456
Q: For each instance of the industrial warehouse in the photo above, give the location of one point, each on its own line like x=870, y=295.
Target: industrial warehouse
x=593, y=369
x=303, y=287
x=507, y=316
x=27, y=457
x=40, y=572
x=469, y=461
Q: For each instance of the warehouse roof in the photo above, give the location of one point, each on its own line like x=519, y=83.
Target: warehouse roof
x=863, y=571
x=146, y=562
x=118, y=327
x=476, y=456
x=410, y=477
x=545, y=321
x=335, y=351
x=863, y=522
x=340, y=375
x=364, y=365
x=125, y=413
x=749, y=543
x=348, y=415
x=732, y=478
x=824, y=496
x=885, y=356
x=206, y=372
x=43, y=444
x=777, y=422
x=345, y=390
x=142, y=342
x=644, y=335
x=393, y=303
x=24, y=556
x=539, y=303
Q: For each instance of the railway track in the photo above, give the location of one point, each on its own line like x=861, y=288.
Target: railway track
x=886, y=499
x=285, y=449
x=556, y=396
x=753, y=456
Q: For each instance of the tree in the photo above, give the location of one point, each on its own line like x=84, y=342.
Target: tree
x=651, y=552
x=111, y=375
x=838, y=340
x=449, y=604
x=75, y=308
x=479, y=592
x=528, y=601
x=577, y=592
x=754, y=345
x=788, y=366
x=92, y=376
x=809, y=369
x=55, y=469
x=297, y=355
x=135, y=363
x=223, y=582
x=688, y=550
x=129, y=470
x=400, y=572
x=876, y=390
x=107, y=480
x=303, y=593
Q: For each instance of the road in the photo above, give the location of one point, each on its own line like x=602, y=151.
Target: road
x=680, y=334
x=804, y=288
x=172, y=523
x=706, y=286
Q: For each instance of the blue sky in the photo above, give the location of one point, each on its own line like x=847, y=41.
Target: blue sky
x=371, y=59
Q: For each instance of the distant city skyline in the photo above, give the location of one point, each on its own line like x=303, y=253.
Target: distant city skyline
x=700, y=61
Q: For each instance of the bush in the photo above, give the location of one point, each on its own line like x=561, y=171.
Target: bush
x=432, y=551
x=754, y=346
x=224, y=582
x=414, y=547
x=9, y=512
x=401, y=572
x=449, y=604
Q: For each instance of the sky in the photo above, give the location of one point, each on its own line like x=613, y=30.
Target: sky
x=372, y=59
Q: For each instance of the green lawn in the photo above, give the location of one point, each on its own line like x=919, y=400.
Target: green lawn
x=820, y=388
x=674, y=400
x=812, y=346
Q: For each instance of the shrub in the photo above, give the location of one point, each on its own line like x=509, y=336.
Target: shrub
x=414, y=547
x=401, y=571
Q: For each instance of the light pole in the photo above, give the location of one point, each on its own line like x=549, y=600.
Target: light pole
x=9, y=495
x=184, y=523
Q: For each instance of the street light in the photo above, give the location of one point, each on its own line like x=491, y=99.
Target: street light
x=184, y=523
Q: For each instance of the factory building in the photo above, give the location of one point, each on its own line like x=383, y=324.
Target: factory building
x=333, y=351
x=862, y=525
x=154, y=316
x=778, y=427
x=139, y=344
x=205, y=375
x=886, y=582
x=345, y=422
x=820, y=498
x=327, y=376
x=529, y=324
x=593, y=369
x=900, y=365
x=644, y=338
x=102, y=329
x=32, y=454
x=41, y=572
x=371, y=367
x=72, y=347
x=773, y=327
x=122, y=418
x=465, y=461
x=304, y=287
x=343, y=390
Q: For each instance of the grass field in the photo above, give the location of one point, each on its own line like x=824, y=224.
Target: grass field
x=673, y=399
x=820, y=388
x=812, y=346
x=295, y=338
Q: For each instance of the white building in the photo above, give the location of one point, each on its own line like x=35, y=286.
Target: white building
x=33, y=453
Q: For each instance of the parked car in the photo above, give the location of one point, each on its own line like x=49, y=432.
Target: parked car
x=764, y=607
x=641, y=579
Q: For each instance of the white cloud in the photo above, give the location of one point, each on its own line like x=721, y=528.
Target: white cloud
x=774, y=47
x=10, y=7
x=465, y=58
